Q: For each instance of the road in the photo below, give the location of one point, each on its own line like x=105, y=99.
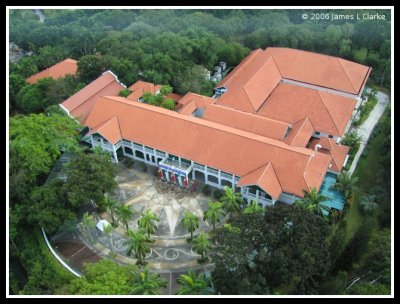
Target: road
x=365, y=130
x=40, y=15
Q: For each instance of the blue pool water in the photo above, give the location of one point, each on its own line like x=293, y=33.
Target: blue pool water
x=336, y=197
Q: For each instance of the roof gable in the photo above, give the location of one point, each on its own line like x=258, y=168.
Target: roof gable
x=301, y=133
x=265, y=178
x=59, y=70
x=109, y=129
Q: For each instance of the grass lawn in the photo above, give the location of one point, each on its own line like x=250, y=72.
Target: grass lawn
x=366, y=171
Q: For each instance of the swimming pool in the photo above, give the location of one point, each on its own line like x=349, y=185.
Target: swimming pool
x=336, y=197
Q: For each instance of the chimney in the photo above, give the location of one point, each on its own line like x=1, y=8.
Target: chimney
x=318, y=146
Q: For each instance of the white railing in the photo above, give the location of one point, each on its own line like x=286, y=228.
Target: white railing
x=57, y=257
x=212, y=171
x=137, y=146
x=200, y=167
x=126, y=142
x=159, y=153
x=149, y=150
x=226, y=175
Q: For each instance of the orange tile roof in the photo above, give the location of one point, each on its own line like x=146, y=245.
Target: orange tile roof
x=109, y=130
x=301, y=133
x=330, y=147
x=265, y=178
x=321, y=70
x=251, y=84
x=140, y=87
x=59, y=70
x=191, y=101
x=81, y=103
x=188, y=108
x=246, y=121
x=327, y=112
x=228, y=149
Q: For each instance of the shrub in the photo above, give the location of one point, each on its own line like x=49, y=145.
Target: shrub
x=124, y=93
x=206, y=190
x=218, y=194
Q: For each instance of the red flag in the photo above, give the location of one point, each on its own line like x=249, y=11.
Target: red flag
x=186, y=182
x=173, y=177
x=160, y=173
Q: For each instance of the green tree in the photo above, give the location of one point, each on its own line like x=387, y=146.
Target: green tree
x=214, y=212
x=201, y=244
x=112, y=206
x=231, y=200
x=49, y=207
x=283, y=249
x=16, y=83
x=168, y=104
x=253, y=208
x=125, y=214
x=368, y=204
x=148, y=222
x=346, y=183
x=192, y=284
x=48, y=56
x=138, y=243
x=45, y=135
x=313, y=201
x=351, y=139
x=104, y=277
x=62, y=89
x=191, y=222
x=146, y=283
x=368, y=289
x=88, y=222
x=90, y=67
x=89, y=177
x=124, y=93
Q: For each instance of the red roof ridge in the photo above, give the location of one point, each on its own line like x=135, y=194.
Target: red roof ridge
x=297, y=88
x=214, y=125
x=301, y=121
x=327, y=110
x=94, y=93
x=345, y=72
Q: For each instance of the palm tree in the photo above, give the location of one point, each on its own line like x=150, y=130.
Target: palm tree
x=201, y=244
x=88, y=222
x=148, y=222
x=192, y=284
x=231, y=200
x=253, y=208
x=368, y=204
x=112, y=207
x=191, y=222
x=124, y=215
x=345, y=183
x=139, y=244
x=312, y=201
x=146, y=283
x=214, y=212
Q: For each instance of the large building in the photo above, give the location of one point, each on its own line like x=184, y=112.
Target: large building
x=272, y=128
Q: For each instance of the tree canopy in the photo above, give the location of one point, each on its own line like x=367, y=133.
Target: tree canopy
x=283, y=249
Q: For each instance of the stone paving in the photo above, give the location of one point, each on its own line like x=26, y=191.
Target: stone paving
x=142, y=191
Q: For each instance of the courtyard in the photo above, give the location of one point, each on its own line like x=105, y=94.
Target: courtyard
x=140, y=189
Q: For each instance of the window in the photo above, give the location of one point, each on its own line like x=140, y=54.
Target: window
x=128, y=151
x=330, y=136
x=185, y=161
x=139, y=154
x=317, y=133
x=173, y=157
x=212, y=179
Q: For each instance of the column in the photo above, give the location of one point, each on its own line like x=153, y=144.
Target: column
x=115, y=154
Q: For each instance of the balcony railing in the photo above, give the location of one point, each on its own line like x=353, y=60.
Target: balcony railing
x=200, y=167
x=226, y=175
x=213, y=171
x=138, y=147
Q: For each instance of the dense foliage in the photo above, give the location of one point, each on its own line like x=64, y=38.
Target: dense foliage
x=284, y=249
